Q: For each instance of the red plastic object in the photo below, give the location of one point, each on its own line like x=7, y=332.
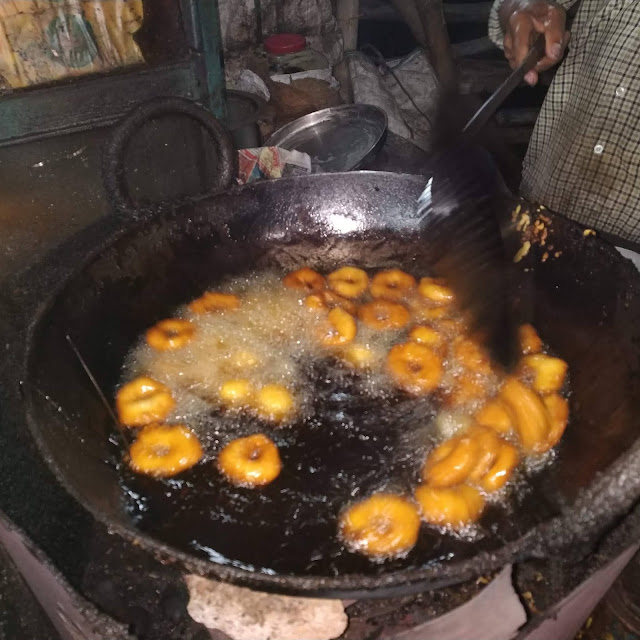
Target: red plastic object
x=282, y=43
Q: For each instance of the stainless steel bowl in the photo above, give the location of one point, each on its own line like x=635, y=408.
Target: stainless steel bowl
x=337, y=139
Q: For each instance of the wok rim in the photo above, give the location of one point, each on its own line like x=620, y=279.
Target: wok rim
x=395, y=583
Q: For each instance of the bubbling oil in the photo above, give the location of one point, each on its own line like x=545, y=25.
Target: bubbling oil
x=270, y=339
x=273, y=337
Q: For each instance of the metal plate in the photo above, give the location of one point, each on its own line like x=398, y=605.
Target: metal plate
x=337, y=139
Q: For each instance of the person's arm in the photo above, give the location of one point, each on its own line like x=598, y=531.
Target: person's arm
x=514, y=25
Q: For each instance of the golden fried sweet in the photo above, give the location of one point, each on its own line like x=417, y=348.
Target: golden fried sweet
x=273, y=402
x=436, y=291
x=558, y=411
x=451, y=462
x=471, y=355
x=359, y=356
x=348, y=282
x=236, y=393
x=496, y=461
x=306, y=279
x=427, y=336
x=215, y=301
x=392, y=284
x=454, y=507
x=500, y=471
x=164, y=450
x=414, y=367
x=327, y=300
x=478, y=457
x=488, y=444
x=531, y=419
x=496, y=415
x=253, y=461
x=383, y=315
x=170, y=334
x=529, y=340
x=315, y=301
x=341, y=328
x=332, y=299
x=548, y=372
x=143, y=401
x=383, y=525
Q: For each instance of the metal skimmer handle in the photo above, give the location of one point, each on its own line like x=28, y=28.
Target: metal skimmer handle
x=486, y=111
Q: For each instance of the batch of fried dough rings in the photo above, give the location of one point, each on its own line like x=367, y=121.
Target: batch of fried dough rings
x=523, y=416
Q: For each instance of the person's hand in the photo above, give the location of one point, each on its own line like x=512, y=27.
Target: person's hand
x=522, y=21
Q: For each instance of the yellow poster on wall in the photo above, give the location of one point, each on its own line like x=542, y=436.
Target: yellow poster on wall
x=46, y=40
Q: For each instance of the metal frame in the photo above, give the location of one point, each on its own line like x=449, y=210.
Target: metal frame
x=99, y=100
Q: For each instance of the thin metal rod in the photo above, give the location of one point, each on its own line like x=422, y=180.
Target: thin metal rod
x=488, y=109
x=96, y=386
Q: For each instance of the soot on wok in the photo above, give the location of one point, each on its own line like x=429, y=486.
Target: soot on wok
x=111, y=283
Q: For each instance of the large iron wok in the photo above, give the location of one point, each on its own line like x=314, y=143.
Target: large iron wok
x=105, y=287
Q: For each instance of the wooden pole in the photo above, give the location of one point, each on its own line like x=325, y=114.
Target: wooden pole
x=409, y=12
x=432, y=18
x=347, y=13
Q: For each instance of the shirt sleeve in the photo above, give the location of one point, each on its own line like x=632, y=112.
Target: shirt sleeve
x=496, y=34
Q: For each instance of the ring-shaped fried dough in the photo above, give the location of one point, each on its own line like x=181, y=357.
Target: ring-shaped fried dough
x=489, y=444
x=215, y=301
x=454, y=507
x=414, y=367
x=359, y=356
x=273, y=402
x=348, y=282
x=236, y=393
x=451, y=462
x=427, y=336
x=558, y=412
x=502, y=468
x=392, y=284
x=164, y=450
x=436, y=291
x=383, y=315
x=382, y=526
x=529, y=340
x=531, y=419
x=306, y=279
x=496, y=415
x=315, y=301
x=548, y=372
x=253, y=461
x=143, y=401
x=170, y=334
x=324, y=300
x=471, y=355
x=341, y=330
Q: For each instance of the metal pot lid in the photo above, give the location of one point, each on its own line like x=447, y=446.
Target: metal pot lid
x=337, y=138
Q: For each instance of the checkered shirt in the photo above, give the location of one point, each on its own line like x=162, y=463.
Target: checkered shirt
x=583, y=158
